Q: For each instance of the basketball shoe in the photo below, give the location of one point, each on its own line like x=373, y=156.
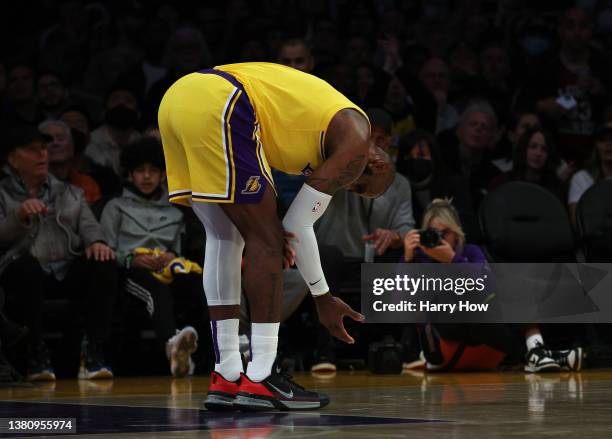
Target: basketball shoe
x=277, y=392
x=221, y=393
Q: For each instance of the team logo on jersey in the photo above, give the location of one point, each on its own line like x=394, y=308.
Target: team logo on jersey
x=252, y=185
x=307, y=170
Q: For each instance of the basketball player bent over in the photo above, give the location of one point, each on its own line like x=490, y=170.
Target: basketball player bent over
x=222, y=130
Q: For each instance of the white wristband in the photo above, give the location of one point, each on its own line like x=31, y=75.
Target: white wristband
x=306, y=209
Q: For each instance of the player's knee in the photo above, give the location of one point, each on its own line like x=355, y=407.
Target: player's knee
x=268, y=242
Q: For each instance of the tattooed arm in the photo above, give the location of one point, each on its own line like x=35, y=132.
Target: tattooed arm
x=346, y=143
x=347, y=147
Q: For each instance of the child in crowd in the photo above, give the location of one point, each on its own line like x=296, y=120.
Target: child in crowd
x=146, y=231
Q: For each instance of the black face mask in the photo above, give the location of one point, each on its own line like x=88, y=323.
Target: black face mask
x=122, y=117
x=418, y=169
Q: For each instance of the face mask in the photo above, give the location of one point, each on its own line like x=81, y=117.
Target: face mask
x=121, y=117
x=418, y=169
x=535, y=45
x=604, y=21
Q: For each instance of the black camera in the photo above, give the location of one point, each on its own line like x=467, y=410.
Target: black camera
x=385, y=356
x=430, y=238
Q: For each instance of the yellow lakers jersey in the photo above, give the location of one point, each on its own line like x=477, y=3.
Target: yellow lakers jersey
x=293, y=110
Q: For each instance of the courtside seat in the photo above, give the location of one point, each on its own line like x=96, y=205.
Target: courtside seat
x=523, y=222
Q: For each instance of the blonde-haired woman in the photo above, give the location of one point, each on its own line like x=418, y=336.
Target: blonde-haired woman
x=441, y=238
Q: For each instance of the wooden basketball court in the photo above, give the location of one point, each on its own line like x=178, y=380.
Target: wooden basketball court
x=415, y=405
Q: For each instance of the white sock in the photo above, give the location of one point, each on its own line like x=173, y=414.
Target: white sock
x=264, y=341
x=534, y=340
x=225, y=343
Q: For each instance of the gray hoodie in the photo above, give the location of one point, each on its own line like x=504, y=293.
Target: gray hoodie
x=55, y=239
x=131, y=221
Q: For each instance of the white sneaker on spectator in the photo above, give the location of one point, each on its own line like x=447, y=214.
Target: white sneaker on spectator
x=569, y=359
x=179, y=349
x=93, y=364
x=417, y=362
x=540, y=359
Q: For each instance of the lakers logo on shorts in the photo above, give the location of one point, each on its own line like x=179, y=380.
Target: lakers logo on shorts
x=252, y=185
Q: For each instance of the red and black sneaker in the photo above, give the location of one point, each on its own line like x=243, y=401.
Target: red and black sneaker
x=279, y=392
x=221, y=393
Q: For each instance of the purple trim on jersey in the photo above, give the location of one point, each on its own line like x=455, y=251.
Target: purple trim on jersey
x=224, y=75
x=213, y=326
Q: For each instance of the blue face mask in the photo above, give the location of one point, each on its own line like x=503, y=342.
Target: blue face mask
x=604, y=21
x=535, y=45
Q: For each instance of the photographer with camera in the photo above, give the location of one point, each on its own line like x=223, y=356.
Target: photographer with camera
x=53, y=247
x=441, y=238
x=455, y=346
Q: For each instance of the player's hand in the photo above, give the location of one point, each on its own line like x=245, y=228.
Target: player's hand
x=288, y=250
x=441, y=253
x=31, y=207
x=412, y=240
x=331, y=311
x=383, y=239
x=99, y=252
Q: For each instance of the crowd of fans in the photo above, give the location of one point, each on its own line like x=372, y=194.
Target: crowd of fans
x=464, y=95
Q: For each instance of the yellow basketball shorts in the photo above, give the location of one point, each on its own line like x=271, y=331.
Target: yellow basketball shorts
x=211, y=141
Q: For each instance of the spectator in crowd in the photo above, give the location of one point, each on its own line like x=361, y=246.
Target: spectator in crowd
x=572, y=89
x=535, y=161
x=296, y=53
x=77, y=119
x=434, y=75
x=358, y=52
x=119, y=129
x=21, y=105
x=467, y=150
x=80, y=123
x=419, y=160
x=370, y=86
x=137, y=223
x=398, y=104
x=597, y=168
x=464, y=73
x=64, y=160
x=52, y=94
x=495, y=67
x=53, y=247
x=520, y=122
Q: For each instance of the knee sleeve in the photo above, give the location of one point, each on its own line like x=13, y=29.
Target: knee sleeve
x=222, y=257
